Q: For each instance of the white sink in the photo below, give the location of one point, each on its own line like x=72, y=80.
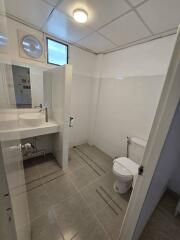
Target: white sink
x=31, y=119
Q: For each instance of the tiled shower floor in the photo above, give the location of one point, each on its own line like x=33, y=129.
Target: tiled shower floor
x=76, y=204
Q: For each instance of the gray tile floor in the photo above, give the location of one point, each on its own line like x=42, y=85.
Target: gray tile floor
x=78, y=203
x=163, y=225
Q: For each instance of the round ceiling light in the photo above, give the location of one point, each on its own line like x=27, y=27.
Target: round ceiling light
x=80, y=15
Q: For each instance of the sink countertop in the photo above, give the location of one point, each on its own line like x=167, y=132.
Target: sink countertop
x=27, y=132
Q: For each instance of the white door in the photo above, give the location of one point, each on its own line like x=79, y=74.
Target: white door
x=60, y=106
x=13, y=195
x=166, y=109
x=7, y=226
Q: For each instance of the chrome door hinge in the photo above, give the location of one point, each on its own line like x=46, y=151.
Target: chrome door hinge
x=141, y=170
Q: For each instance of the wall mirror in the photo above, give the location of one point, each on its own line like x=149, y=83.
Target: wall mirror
x=28, y=86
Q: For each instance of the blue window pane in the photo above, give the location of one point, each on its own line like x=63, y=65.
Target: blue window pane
x=57, y=52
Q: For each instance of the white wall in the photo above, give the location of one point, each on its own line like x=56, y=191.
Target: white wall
x=168, y=162
x=131, y=81
x=126, y=108
x=151, y=58
x=80, y=108
x=84, y=75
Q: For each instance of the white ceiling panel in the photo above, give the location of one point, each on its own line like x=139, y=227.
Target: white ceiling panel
x=97, y=43
x=125, y=30
x=52, y=2
x=61, y=26
x=135, y=2
x=34, y=12
x=100, y=12
x=161, y=15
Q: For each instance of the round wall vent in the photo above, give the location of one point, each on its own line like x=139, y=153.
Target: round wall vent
x=32, y=46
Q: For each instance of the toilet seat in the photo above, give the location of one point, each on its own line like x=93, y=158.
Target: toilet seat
x=120, y=170
x=128, y=164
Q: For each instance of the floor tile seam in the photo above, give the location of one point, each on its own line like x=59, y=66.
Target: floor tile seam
x=77, y=158
x=47, y=209
x=90, y=157
x=57, y=222
x=87, y=153
x=107, y=167
x=109, y=201
x=53, y=179
x=71, y=171
x=96, y=180
x=54, y=212
x=102, y=209
x=90, y=166
x=76, y=188
x=75, y=170
x=42, y=213
x=43, y=176
x=69, y=174
x=49, y=198
x=112, y=200
x=91, y=205
x=65, y=199
x=104, y=174
x=59, y=232
x=42, y=183
x=33, y=188
x=47, y=194
x=80, y=192
x=84, y=200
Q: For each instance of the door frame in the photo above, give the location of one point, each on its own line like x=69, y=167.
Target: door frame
x=166, y=109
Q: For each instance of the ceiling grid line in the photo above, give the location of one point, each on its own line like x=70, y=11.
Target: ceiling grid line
x=143, y=40
x=142, y=20
x=51, y=13
x=98, y=34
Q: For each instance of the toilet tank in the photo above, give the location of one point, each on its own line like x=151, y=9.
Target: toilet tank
x=136, y=149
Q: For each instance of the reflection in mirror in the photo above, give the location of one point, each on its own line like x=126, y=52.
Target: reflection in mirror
x=28, y=86
x=22, y=86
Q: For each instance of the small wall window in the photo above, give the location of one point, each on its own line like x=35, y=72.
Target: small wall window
x=57, y=52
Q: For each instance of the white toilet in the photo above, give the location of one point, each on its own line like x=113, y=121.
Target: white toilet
x=126, y=169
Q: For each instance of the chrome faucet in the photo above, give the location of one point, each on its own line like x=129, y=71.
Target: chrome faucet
x=46, y=114
x=45, y=109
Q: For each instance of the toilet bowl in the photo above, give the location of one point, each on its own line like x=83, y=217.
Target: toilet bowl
x=125, y=171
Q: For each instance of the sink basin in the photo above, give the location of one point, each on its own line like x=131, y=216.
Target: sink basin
x=31, y=119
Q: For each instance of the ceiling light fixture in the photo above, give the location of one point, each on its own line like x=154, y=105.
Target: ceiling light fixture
x=80, y=15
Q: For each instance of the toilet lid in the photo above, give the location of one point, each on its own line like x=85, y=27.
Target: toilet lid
x=121, y=170
x=127, y=163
